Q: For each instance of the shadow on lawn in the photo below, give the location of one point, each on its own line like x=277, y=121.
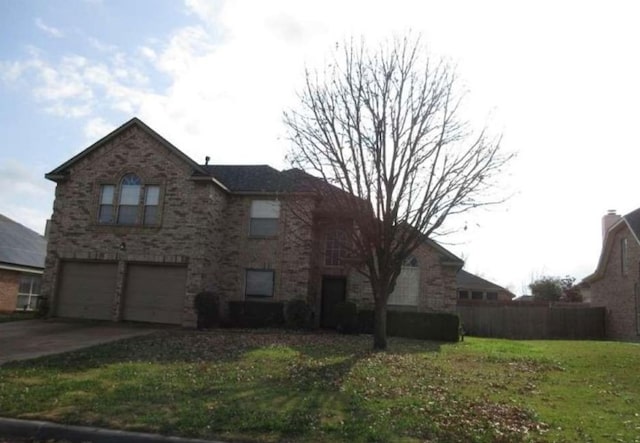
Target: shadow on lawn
x=219, y=346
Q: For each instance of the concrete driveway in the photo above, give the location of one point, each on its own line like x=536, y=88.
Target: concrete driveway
x=21, y=340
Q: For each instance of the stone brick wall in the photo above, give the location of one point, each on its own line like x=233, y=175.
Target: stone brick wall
x=288, y=253
x=187, y=227
x=617, y=290
x=9, y=282
x=437, y=282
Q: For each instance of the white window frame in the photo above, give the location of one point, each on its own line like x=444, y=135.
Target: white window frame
x=149, y=200
x=407, y=287
x=266, y=273
x=264, y=211
x=31, y=295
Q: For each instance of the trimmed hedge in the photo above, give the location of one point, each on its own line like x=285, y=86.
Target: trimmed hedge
x=297, y=314
x=255, y=314
x=207, y=307
x=421, y=325
x=346, y=317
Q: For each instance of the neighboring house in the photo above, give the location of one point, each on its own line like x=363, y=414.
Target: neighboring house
x=472, y=287
x=615, y=284
x=22, y=253
x=524, y=298
x=139, y=228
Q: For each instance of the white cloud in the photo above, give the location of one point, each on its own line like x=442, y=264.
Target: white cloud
x=96, y=128
x=50, y=30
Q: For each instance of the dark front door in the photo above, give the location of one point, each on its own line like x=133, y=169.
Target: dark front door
x=333, y=292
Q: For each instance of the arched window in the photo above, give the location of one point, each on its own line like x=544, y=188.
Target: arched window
x=129, y=203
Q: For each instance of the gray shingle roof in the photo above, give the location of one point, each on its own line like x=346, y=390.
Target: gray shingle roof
x=633, y=218
x=468, y=280
x=249, y=178
x=20, y=245
x=258, y=178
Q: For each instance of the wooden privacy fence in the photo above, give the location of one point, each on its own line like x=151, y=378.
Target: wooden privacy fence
x=533, y=321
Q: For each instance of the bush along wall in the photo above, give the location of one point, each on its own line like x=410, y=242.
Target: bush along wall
x=297, y=314
x=420, y=325
x=255, y=314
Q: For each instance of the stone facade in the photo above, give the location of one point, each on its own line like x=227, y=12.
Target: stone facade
x=616, y=284
x=204, y=227
x=189, y=221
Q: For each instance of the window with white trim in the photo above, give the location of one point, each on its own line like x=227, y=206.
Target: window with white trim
x=335, y=248
x=131, y=203
x=28, y=292
x=259, y=283
x=407, y=285
x=264, y=218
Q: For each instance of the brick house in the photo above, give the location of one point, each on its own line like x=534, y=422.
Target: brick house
x=474, y=288
x=139, y=228
x=22, y=253
x=615, y=284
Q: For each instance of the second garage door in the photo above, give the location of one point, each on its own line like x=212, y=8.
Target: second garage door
x=86, y=290
x=155, y=293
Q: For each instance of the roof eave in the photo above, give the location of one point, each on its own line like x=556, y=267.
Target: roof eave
x=210, y=179
x=56, y=177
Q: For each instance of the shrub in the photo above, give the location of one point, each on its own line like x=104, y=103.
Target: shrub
x=346, y=317
x=256, y=314
x=207, y=306
x=297, y=314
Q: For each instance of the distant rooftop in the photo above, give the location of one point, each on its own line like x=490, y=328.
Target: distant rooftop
x=20, y=246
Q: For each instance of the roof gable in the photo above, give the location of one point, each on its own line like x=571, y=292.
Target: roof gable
x=61, y=172
x=20, y=245
x=631, y=222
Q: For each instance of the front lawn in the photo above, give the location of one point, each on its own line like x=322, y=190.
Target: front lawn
x=17, y=316
x=273, y=386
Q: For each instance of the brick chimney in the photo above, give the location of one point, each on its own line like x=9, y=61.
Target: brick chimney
x=609, y=219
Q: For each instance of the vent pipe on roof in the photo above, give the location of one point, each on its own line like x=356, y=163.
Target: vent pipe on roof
x=206, y=160
x=609, y=219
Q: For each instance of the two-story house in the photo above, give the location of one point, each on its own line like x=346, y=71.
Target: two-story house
x=139, y=228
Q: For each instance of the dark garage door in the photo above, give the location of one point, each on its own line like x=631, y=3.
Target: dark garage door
x=155, y=293
x=86, y=290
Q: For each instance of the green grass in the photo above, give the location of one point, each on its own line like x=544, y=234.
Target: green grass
x=17, y=316
x=274, y=386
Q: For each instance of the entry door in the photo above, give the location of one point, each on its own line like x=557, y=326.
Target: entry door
x=334, y=291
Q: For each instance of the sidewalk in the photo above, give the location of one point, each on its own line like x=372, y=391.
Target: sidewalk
x=42, y=430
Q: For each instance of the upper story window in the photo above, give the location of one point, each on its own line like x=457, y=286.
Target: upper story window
x=493, y=296
x=335, y=250
x=131, y=204
x=264, y=218
x=624, y=262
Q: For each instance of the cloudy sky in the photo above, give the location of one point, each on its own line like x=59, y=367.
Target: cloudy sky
x=560, y=80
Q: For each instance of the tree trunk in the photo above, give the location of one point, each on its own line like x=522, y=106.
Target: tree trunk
x=380, y=325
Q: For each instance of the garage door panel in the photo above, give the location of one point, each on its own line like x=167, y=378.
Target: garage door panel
x=155, y=293
x=86, y=290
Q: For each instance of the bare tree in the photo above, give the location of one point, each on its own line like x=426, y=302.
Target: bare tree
x=383, y=127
